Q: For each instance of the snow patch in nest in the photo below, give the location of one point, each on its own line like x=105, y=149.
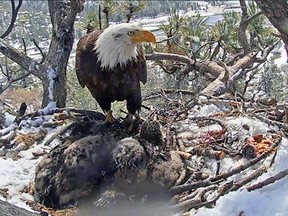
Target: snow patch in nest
x=207, y=110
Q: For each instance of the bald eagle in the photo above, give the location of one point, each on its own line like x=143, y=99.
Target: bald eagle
x=111, y=63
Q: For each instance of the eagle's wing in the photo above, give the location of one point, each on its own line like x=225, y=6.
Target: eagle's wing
x=142, y=68
x=84, y=56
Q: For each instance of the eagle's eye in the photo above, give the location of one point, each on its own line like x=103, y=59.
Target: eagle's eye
x=130, y=33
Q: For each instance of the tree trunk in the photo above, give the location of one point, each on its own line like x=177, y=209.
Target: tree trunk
x=277, y=13
x=52, y=71
x=107, y=19
x=63, y=15
x=54, y=76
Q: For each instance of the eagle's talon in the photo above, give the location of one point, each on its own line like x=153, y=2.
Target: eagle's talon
x=130, y=128
x=129, y=122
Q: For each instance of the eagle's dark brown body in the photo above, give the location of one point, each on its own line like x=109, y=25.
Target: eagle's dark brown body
x=109, y=85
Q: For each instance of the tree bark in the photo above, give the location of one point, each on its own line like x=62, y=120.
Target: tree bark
x=63, y=15
x=52, y=72
x=20, y=58
x=277, y=13
x=223, y=74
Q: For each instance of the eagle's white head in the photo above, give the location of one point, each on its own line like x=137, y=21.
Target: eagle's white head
x=118, y=44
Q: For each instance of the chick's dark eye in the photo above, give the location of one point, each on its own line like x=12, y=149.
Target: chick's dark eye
x=130, y=33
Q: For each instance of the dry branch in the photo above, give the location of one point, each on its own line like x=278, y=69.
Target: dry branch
x=40, y=50
x=238, y=184
x=208, y=152
x=15, y=55
x=11, y=81
x=194, y=199
x=268, y=181
x=15, y=11
x=221, y=177
x=59, y=132
x=174, y=57
x=184, y=155
x=181, y=177
x=243, y=27
x=270, y=122
x=7, y=139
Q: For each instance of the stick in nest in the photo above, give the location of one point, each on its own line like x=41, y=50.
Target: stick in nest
x=268, y=181
x=59, y=132
x=194, y=199
x=248, y=179
x=221, y=177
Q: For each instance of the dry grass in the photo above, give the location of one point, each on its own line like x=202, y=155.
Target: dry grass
x=32, y=97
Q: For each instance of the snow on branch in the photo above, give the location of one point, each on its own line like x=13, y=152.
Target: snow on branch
x=20, y=58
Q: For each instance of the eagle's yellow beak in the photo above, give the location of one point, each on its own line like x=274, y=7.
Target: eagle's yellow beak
x=143, y=36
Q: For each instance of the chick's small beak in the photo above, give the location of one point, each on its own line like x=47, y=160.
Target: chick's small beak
x=143, y=36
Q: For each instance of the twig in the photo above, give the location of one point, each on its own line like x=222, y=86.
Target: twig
x=205, y=44
x=15, y=11
x=184, y=155
x=203, y=118
x=218, y=168
x=238, y=169
x=59, y=132
x=251, y=76
x=174, y=57
x=168, y=91
x=273, y=158
x=24, y=45
x=40, y=50
x=194, y=199
x=196, y=203
x=169, y=38
x=12, y=80
x=7, y=139
x=268, y=181
x=271, y=122
x=181, y=177
x=249, y=178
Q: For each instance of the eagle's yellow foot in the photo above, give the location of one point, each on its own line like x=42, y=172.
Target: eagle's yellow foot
x=109, y=118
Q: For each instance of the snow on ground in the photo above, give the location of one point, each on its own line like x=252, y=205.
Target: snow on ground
x=212, y=10
x=283, y=56
x=16, y=174
x=153, y=24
